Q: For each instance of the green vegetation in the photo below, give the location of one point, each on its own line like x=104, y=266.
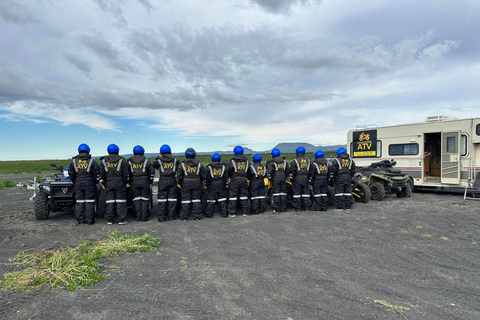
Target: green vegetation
x=390, y=307
x=72, y=268
x=29, y=166
x=7, y=183
x=41, y=166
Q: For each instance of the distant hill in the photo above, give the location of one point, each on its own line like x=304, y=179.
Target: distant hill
x=291, y=147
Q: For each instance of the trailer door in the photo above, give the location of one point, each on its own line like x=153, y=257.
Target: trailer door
x=450, y=157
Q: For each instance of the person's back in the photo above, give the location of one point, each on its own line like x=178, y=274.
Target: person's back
x=83, y=171
x=299, y=169
x=190, y=175
x=114, y=174
x=256, y=175
x=238, y=187
x=277, y=170
x=216, y=176
x=167, y=165
x=141, y=177
x=343, y=168
x=319, y=175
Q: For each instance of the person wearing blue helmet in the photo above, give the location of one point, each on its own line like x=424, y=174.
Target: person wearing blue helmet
x=298, y=175
x=217, y=176
x=256, y=175
x=277, y=169
x=191, y=175
x=167, y=165
x=238, y=186
x=319, y=176
x=84, y=173
x=114, y=176
x=343, y=169
x=141, y=178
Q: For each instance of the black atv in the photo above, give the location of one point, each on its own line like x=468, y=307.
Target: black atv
x=54, y=194
x=383, y=179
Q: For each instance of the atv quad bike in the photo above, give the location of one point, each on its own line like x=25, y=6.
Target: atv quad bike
x=382, y=179
x=58, y=194
x=54, y=194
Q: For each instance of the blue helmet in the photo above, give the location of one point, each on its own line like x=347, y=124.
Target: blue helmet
x=341, y=150
x=276, y=153
x=138, y=150
x=165, y=149
x=190, y=153
x=300, y=150
x=216, y=157
x=113, y=148
x=257, y=157
x=84, y=147
x=238, y=150
x=319, y=154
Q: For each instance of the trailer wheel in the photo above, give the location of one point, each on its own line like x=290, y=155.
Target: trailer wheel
x=377, y=191
x=42, y=206
x=361, y=193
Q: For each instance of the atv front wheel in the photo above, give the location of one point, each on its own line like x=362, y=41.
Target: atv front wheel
x=361, y=193
x=42, y=206
x=377, y=191
x=406, y=192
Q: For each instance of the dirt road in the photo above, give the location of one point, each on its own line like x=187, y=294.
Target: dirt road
x=421, y=253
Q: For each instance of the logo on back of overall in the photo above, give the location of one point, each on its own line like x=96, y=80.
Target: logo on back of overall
x=217, y=172
x=303, y=164
x=168, y=165
x=191, y=169
x=137, y=165
x=241, y=165
x=112, y=164
x=82, y=164
x=260, y=170
x=345, y=163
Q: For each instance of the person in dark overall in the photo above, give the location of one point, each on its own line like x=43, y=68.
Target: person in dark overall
x=299, y=169
x=114, y=175
x=319, y=176
x=277, y=169
x=217, y=176
x=190, y=175
x=238, y=186
x=141, y=178
x=167, y=166
x=84, y=173
x=256, y=175
x=343, y=169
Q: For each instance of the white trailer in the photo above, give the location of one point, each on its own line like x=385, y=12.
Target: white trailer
x=441, y=153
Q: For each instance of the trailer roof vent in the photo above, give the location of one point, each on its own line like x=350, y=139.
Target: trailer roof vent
x=440, y=118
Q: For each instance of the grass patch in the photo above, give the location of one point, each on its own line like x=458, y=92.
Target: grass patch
x=9, y=183
x=427, y=235
x=391, y=307
x=72, y=268
x=444, y=238
x=2, y=185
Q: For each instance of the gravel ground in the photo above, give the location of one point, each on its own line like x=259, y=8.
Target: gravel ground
x=421, y=253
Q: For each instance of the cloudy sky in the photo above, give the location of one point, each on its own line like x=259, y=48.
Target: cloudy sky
x=211, y=74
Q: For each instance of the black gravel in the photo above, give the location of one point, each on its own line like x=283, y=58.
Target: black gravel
x=421, y=253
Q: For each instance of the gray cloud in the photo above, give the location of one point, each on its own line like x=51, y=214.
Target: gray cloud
x=114, y=9
x=13, y=12
x=282, y=6
x=109, y=54
x=81, y=64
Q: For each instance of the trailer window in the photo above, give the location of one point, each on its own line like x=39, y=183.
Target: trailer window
x=403, y=149
x=478, y=129
x=463, y=145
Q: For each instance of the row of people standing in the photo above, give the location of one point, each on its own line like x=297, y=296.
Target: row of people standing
x=226, y=183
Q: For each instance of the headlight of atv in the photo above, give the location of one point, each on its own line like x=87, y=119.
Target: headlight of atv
x=46, y=188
